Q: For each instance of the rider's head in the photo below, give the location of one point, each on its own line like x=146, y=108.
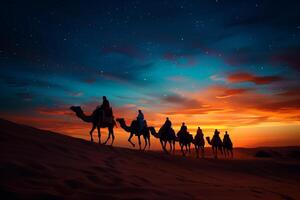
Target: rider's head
x=104, y=98
x=140, y=111
x=183, y=123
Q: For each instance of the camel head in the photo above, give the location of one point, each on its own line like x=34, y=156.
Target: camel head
x=120, y=120
x=153, y=132
x=76, y=109
x=208, y=140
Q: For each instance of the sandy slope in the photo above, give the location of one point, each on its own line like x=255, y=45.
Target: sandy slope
x=40, y=164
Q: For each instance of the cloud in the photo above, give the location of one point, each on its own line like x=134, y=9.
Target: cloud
x=76, y=94
x=21, y=82
x=233, y=92
x=240, y=77
x=132, y=73
x=56, y=111
x=289, y=56
x=181, y=101
x=290, y=92
x=216, y=77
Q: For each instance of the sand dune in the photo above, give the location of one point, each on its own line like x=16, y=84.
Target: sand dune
x=37, y=164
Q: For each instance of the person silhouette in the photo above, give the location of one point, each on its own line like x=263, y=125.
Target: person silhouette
x=140, y=120
x=105, y=103
x=228, y=147
x=216, y=132
x=168, y=123
x=105, y=111
x=183, y=128
x=182, y=131
x=199, y=142
x=199, y=133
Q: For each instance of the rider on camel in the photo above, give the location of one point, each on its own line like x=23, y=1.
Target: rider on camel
x=140, y=120
x=105, y=110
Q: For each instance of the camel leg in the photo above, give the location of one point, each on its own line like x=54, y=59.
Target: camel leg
x=111, y=131
x=202, y=148
x=181, y=146
x=162, y=144
x=145, y=138
x=107, y=137
x=215, y=152
x=189, y=145
x=129, y=139
x=221, y=150
x=91, y=132
x=165, y=145
x=171, y=148
x=197, y=151
x=99, y=134
x=149, y=142
x=139, y=138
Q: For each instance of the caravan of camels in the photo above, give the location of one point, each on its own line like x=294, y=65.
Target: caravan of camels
x=102, y=117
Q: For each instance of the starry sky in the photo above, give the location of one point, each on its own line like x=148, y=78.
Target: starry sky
x=231, y=65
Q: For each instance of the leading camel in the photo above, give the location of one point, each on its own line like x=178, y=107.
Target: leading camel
x=165, y=136
x=133, y=129
x=94, y=118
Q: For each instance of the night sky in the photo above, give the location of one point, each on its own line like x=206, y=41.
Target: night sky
x=231, y=65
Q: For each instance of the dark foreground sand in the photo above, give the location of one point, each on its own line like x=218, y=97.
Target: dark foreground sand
x=38, y=164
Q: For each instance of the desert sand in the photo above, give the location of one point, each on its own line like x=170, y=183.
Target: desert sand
x=38, y=164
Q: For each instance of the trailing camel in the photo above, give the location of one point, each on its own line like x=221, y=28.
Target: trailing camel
x=227, y=146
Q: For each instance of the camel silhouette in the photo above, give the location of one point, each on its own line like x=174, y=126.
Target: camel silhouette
x=133, y=129
x=216, y=143
x=227, y=145
x=165, y=136
x=94, y=118
x=185, y=139
x=199, y=143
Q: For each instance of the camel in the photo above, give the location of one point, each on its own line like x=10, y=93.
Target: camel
x=165, y=137
x=133, y=129
x=227, y=145
x=199, y=143
x=185, y=140
x=216, y=143
x=94, y=118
